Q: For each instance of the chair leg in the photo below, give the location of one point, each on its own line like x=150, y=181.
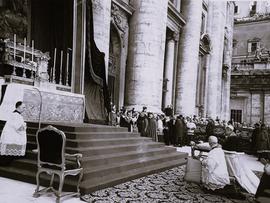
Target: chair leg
x=79, y=182
x=61, y=184
x=52, y=178
x=37, y=188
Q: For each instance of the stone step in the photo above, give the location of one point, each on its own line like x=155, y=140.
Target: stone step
x=98, y=142
x=108, y=180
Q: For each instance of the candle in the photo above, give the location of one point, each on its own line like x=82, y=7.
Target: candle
x=61, y=67
x=24, y=48
x=32, y=50
x=67, y=68
x=54, y=61
x=14, y=47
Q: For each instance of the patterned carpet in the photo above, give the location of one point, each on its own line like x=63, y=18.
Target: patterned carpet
x=167, y=186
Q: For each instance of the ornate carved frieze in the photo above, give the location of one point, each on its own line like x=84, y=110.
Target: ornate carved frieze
x=120, y=20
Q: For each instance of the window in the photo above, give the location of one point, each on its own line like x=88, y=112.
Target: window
x=203, y=24
x=253, y=46
x=236, y=9
x=236, y=115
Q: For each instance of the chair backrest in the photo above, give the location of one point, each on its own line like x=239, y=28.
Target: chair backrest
x=51, y=146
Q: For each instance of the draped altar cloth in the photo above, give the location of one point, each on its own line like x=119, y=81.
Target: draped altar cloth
x=244, y=175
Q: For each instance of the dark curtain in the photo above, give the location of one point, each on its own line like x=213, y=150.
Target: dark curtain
x=52, y=27
x=96, y=89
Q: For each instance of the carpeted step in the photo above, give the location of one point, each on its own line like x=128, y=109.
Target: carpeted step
x=114, y=168
x=89, y=151
x=98, y=183
x=92, y=135
x=97, y=160
x=99, y=142
x=77, y=127
x=108, y=159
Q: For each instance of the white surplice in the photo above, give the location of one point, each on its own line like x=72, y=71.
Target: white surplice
x=214, y=171
x=13, y=137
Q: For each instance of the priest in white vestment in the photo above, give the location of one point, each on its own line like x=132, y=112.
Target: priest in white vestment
x=13, y=137
x=214, y=169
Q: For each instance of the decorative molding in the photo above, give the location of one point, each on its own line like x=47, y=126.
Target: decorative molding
x=176, y=17
x=55, y=107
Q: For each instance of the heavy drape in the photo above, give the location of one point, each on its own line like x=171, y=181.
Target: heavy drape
x=96, y=90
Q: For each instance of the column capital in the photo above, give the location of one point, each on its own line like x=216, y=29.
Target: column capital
x=173, y=36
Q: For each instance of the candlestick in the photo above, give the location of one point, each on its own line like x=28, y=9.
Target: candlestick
x=32, y=50
x=61, y=67
x=67, y=69
x=24, y=48
x=54, y=61
x=14, y=56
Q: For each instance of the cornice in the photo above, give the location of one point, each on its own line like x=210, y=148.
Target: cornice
x=175, y=16
x=126, y=7
x=255, y=18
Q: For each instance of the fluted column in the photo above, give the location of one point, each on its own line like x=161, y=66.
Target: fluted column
x=168, y=71
x=215, y=28
x=102, y=20
x=186, y=80
x=228, y=61
x=144, y=74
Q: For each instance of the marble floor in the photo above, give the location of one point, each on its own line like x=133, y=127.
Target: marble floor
x=167, y=186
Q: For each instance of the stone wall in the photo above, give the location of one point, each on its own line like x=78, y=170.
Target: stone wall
x=248, y=31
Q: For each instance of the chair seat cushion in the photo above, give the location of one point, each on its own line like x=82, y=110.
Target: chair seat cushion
x=193, y=171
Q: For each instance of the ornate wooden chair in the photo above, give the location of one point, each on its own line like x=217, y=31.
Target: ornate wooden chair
x=52, y=160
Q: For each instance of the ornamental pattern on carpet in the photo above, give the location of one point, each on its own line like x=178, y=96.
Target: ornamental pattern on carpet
x=167, y=186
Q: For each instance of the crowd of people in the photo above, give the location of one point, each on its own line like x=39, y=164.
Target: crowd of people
x=178, y=130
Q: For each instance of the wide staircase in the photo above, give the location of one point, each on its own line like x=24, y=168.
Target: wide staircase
x=111, y=156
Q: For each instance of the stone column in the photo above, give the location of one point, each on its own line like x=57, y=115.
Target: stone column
x=102, y=20
x=216, y=24
x=144, y=75
x=168, y=71
x=225, y=115
x=189, y=56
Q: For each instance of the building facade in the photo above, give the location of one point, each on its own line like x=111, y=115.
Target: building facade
x=250, y=76
x=157, y=53
x=162, y=54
